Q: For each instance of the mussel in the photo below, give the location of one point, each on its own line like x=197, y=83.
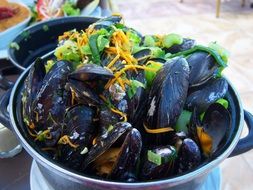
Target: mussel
x=203, y=97
x=113, y=162
x=210, y=132
x=79, y=130
x=50, y=101
x=185, y=45
x=158, y=163
x=33, y=83
x=167, y=95
x=202, y=67
x=189, y=156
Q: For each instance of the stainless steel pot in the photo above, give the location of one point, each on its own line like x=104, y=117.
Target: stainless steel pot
x=63, y=178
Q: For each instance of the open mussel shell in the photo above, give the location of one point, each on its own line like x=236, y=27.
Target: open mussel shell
x=202, y=67
x=189, y=155
x=187, y=44
x=91, y=72
x=203, y=97
x=117, y=163
x=33, y=83
x=216, y=124
x=104, y=142
x=151, y=170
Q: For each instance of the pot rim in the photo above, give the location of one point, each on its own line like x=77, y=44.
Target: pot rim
x=34, y=27
x=85, y=179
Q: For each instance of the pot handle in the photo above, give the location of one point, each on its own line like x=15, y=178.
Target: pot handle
x=4, y=113
x=245, y=144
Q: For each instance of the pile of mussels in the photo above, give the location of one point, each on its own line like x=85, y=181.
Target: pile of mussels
x=117, y=105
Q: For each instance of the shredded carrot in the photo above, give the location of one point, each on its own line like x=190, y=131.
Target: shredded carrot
x=65, y=140
x=155, y=131
x=127, y=67
x=121, y=84
x=31, y=126
x=120, y=113
x=113, y=61
x=30, y=133
x=46, y=133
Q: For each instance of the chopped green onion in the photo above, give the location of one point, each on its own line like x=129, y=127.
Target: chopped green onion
x=171, y=39
x=134, y=85
x=223, y=102
x=102, y=42
x=182, y=121
x=110, y=128
x=49, y=65
x=155, y=158
x=149, y=41
x=150, y=75
x=94, y=48
x=224, y=54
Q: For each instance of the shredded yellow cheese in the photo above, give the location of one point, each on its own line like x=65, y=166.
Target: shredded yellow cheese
x=156, y=131
x=65, y=140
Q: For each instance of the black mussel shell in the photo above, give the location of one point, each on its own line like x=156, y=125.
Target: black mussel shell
x=91, y=72
x=83, y=93
x=189, y=156
x=125, y=168
x=106, y=119
x=104, y=142
x=208, y=94
x=187, y=44
x=51, y=99
x=33, y=83
x=142, y=56
x=167, y=95
x=216, y=123
x=151, y=171
x=81, y=129
x=202, y=67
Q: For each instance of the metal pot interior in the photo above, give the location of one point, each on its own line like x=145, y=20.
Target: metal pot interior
x=231, y=139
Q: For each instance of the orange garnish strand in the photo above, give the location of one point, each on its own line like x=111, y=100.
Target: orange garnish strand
x=120, y=113
x=65, y=140
x=156, y=131
x=205, y=140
